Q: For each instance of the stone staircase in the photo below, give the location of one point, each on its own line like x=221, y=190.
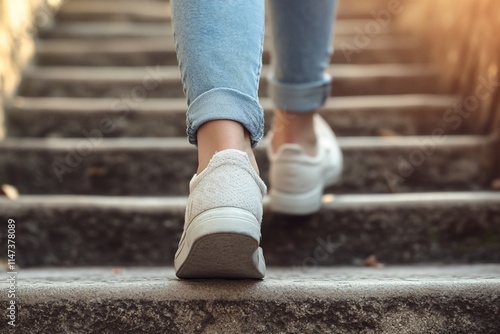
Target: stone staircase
x=96, y=147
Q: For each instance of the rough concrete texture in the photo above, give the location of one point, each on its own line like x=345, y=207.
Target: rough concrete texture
x=404, y=115
x=338, y=300
x=404, y=228
x=350, y=80
x=142, y=166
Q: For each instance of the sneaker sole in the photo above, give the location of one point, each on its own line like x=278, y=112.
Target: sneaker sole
x=301, y=204
x=221, y=243
x=296, y=204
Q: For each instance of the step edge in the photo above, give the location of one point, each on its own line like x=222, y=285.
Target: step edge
x=160, y=284
x=176, y=203
x=179, y=104
x=171, y=73
x=181, y=143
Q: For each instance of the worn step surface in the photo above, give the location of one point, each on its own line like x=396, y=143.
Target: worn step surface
x=399, y=300
x=161, y=51
x=403, y=228
x=407, y=115
x=153, y=166
x=165, y=82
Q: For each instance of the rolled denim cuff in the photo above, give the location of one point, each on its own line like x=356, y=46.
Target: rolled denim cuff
x=299, y=97
x=226, y=104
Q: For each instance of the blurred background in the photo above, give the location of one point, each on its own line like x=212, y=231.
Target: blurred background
x=94, y=112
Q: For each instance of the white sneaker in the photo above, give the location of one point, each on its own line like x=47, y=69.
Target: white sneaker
x=297, y=180
x=223, y=219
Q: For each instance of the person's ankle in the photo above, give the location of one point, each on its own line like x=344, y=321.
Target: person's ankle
x=294, y=128
x=219, y=135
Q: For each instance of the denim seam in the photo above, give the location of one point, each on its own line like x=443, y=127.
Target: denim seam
x=259, y=66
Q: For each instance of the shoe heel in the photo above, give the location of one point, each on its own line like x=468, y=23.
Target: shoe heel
x=222, y=243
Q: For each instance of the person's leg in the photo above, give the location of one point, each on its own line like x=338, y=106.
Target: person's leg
x=219, y=48
x=302, y=36
x=302, y=33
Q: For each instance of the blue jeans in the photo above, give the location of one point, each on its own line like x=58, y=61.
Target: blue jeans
x=219, y=47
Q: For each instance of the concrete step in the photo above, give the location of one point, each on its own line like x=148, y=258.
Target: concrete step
x=402, y=300
x=154, y=51
x=127, y=231
x=119, y=30
x=155, y=82
x=159, y=11
x=155, y=166
x=408, y=115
